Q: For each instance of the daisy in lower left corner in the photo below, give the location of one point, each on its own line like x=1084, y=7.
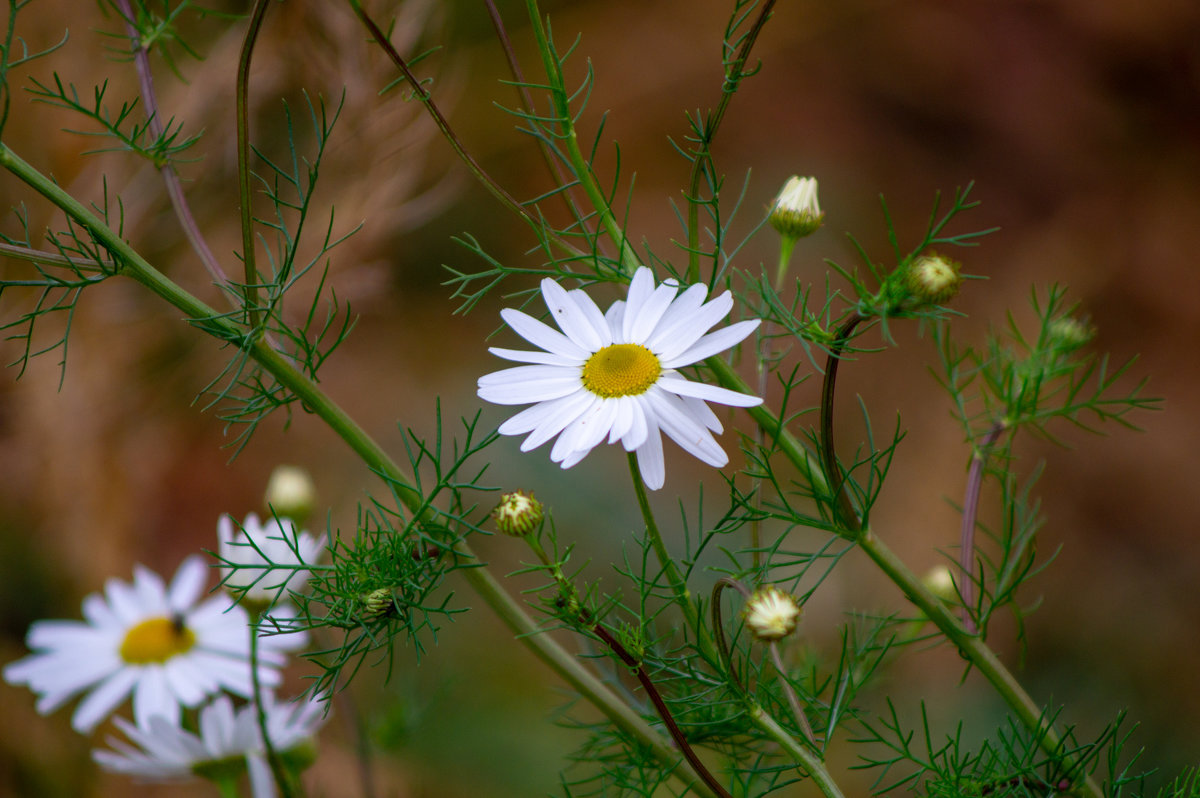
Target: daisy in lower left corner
x=161, y=643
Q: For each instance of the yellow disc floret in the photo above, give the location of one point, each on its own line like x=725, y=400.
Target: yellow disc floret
x=621, y=370
x=156, y=640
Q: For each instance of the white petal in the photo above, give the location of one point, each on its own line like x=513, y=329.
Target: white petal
x=700, y=322
x=151, y=697
x=703, y=413
x=651, y=313
x=542, y=335
x=262, y=782
x=675, y=420
x=708, y=393
x=622, y=420
x=531, y=417
x=590, y=311
x=650, y=457
x=101, y=702
x=639, y=429
x=522, y=374
x=582, y=434
x=543, y=358
x=680, y=314
x=615, y=316
x=188, y=583
x=569, y=317
x=524, y=393
x=570, y=409
x=641, y=287
x=711, y=344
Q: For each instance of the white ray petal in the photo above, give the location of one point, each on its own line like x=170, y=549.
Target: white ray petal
x=542, y=335
x=567, y=315
x=711, y=344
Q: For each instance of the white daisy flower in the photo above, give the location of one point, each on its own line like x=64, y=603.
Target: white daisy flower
x=615, y=374
x=258, y=545
x=158, y=642
x=227, y=743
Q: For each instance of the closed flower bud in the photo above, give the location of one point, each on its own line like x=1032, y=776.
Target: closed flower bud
x=771, y=614
x=377, y=604
x=796, y=213
x=291, y=493
x=940, y=582
x=1067, y=334
x=518, y=514
x=933, y=279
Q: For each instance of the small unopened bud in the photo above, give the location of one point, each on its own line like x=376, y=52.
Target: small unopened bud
x=933, y=279
x=770, y=614
x=377, y=604
x=1067, y=334
x=796, y=212
x=940, y=582
x=290, y=493
x=518, y=514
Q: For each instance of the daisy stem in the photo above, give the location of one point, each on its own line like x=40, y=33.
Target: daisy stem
x=580, y=165
x=306, y=390
x=282, y=778
x=683, y=596
x=227, y=787
x=970, y=646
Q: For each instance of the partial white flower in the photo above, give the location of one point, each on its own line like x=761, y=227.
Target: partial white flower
x=161, y=643
x=615, y=374
x=162, y=751
x=259, y=545
x=796, y=212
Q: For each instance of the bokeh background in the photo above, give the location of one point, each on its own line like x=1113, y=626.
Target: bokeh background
x=1079, y=120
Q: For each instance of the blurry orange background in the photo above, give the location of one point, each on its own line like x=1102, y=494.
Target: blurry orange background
x=1079, y=120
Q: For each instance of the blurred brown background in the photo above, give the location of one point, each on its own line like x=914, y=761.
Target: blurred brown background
x=1079, y=120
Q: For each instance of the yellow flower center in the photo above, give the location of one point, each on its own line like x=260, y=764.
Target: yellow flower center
x=156, y=640
x=621, y=370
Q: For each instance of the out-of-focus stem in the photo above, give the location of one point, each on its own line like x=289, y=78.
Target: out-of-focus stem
x=970, y=511
x=183, y=211
x=245, y=197
x=373, y=456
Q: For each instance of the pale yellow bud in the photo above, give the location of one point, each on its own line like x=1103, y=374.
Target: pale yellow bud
x=796, y=212
x=933, y=279
x=290, y=493
x=771, y=614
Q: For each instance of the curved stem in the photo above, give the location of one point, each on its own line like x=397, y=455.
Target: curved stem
x=845, y=512
x=245, y=197
x=970, y=511
x=480, y=578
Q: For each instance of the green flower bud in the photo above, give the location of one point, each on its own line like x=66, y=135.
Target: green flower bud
x=796, y=213
x=932, y=279
x=1066, y=334
x=290, y=493
x=770, y=614
x=518, y=514
x=377, y=604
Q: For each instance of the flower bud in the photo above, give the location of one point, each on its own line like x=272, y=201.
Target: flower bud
x=933, y=279
x=940, y=582
x=1066, y=334
x=796, y=213
x=290, y=493
x=377, y=604
x=518, y=514
x=771, y=614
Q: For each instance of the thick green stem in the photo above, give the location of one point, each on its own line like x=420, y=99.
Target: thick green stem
x=810, y=761
x=307, y=391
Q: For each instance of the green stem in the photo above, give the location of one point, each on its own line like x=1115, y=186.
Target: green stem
x=282, y=780
x=839, y=496
x=703, y=159
x=579, y=164
x=480, y=579
x=811, y=763
x=973, y=649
